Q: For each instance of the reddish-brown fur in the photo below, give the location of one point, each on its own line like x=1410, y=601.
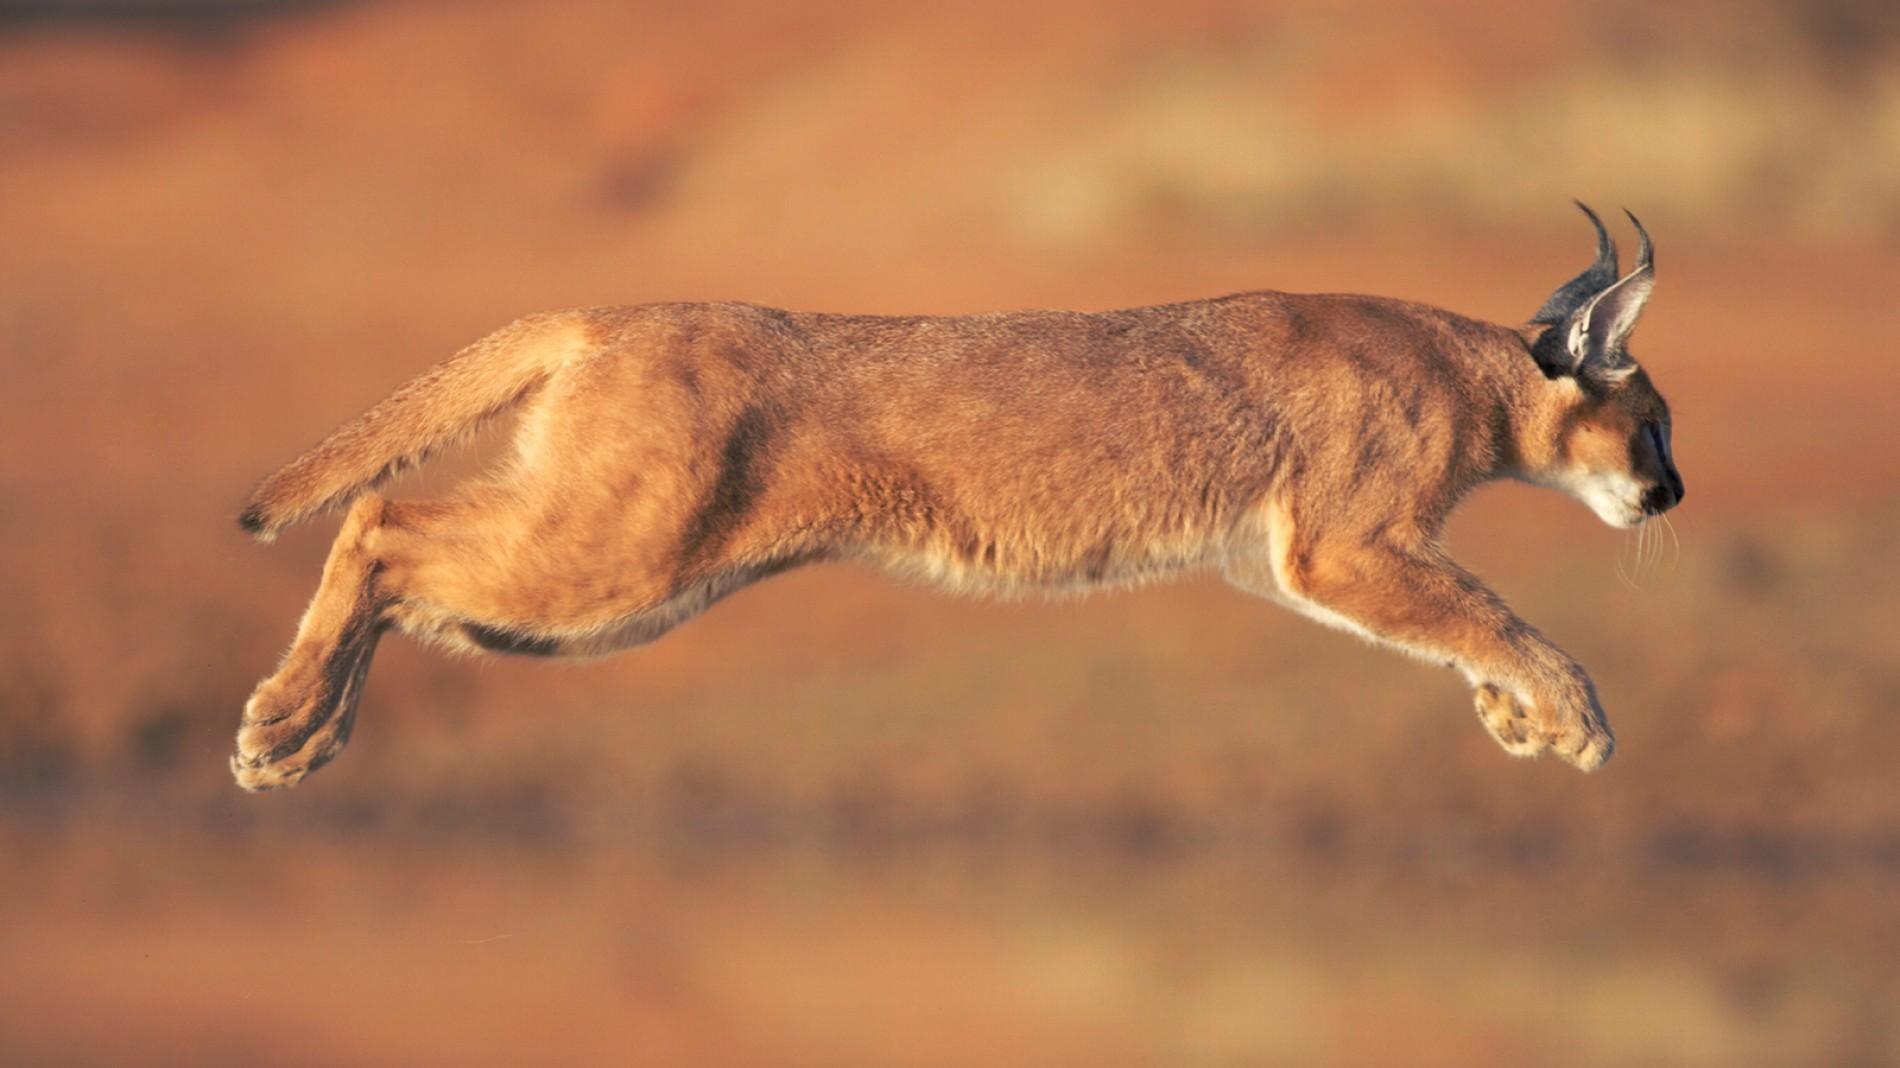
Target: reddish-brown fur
x=1308, y=446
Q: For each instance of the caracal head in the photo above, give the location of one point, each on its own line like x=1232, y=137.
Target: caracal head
x=1603, y=431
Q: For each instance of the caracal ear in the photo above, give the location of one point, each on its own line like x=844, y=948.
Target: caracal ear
x=1599, y=276
x=1595, y=335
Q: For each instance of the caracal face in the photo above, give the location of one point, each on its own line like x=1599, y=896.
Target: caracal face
x=1608, y=433
x=1617, y=457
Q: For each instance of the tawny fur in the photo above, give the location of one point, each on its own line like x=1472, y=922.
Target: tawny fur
x=1309, y=447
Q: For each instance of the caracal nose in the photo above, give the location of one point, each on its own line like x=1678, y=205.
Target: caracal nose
x=1661, y=497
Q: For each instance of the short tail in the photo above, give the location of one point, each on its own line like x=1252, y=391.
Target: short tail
x=443, y=405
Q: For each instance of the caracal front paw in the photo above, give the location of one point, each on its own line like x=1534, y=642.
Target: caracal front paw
x=1574, y=727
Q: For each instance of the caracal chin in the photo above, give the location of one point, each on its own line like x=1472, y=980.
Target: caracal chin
x=1307, y=447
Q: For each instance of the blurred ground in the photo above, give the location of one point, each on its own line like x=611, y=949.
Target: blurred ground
x=839, y=821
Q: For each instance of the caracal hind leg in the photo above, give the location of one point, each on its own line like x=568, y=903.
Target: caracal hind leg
x=1530, y=695
x=488, y=571
x=450, y=573
x=300, y=718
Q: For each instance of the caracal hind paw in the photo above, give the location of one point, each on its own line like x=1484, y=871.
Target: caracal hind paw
x=282, y=739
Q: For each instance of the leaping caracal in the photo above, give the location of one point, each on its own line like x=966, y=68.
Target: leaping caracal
x=1308, y=447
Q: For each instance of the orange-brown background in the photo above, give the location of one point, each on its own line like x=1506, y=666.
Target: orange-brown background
x=840, y=821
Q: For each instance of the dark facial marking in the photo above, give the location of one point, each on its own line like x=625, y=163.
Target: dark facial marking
x=1669, y=492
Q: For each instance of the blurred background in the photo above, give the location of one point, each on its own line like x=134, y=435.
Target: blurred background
x=841, y=821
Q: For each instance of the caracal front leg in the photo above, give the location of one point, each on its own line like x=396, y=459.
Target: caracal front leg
x=300, y=718
x=1530, y=695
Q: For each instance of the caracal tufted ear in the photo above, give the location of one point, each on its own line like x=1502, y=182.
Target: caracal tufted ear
x=1595, y=278
x=1595, y=334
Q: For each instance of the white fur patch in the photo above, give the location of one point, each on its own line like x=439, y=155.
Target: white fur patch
x=1615, y=496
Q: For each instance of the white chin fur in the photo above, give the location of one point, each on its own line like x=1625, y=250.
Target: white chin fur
x=1615, y=498
x=1619, y=516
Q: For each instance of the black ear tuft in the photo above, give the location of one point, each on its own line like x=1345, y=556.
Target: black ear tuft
x=1645, y=251
x=1598, y=277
